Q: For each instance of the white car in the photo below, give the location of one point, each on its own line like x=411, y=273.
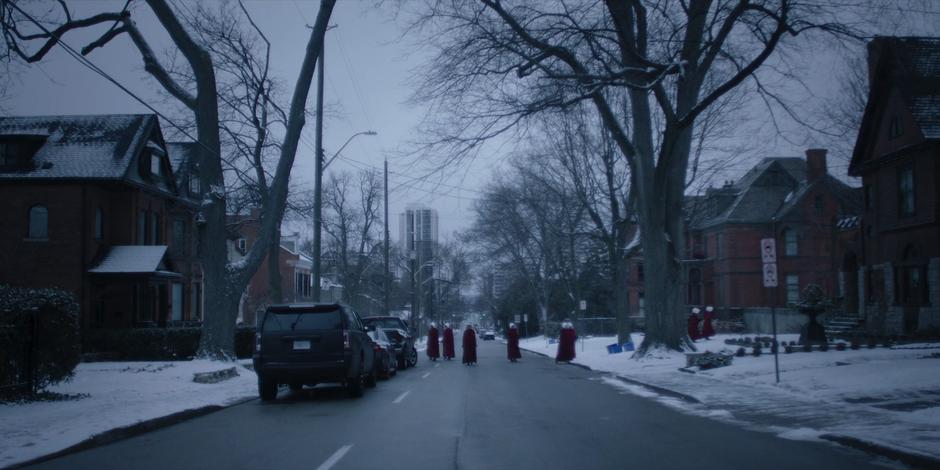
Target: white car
x=489, y=335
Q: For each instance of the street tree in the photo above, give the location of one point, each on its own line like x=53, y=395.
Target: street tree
x=497, y=64
x=30, y=40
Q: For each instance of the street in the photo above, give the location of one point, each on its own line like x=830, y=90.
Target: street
x=497, y=415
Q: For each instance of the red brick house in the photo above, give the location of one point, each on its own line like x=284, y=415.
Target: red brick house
x=295, y=268
x=806, y=210
x=897, y=155
x=91, y=206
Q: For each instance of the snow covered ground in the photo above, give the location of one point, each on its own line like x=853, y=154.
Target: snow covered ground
x=114, y=394
x=890, y=397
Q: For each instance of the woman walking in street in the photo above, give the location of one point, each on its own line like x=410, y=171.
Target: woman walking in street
x=693, y=324
x=708, y=330
x=469, y=346
x=434, y=349
x=566, y=339
x=512, y=343
x=448, y=342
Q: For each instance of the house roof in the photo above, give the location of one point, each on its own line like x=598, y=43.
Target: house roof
x=772, y=189
x=183, y=158
x=81, y=147
x=133, y=259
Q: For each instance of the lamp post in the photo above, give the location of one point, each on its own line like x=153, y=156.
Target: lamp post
x=318, y=209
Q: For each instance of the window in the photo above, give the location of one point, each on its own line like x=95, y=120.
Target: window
x=895, y=129
x=242, y=245
x=142, y=228
x=196, y=308
x=178, y=237
x=154, y=164
x=194, y=185
x=7, y=157
x=641, y=306
x=302, y=284
x=869, y=197
x=790, y=242
x=156, y=232
x=99, y=223
x=718, y=245
x=38, y=223
x=906, y=190
x=695, y=286
x=177, y=301
x=639, y=272
x=793, y=288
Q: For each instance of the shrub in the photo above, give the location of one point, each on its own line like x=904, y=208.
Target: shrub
x=57, y=349
x=807, y=347
x=824, y=347
x=855, y=345
x=158, y=344
x=788, y=349
x=840, y=346
x=740, y=352
x=756, y=352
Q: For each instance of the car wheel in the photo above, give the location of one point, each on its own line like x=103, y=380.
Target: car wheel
x=267, y=389
x=413, y=358
x=371, y=379
x=354, y=385
x=402, y=363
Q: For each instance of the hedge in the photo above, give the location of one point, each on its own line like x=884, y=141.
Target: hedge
x=57, y=349
x=157, y=344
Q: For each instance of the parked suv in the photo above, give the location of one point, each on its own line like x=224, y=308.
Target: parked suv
x=306, y=344
x=397, y=330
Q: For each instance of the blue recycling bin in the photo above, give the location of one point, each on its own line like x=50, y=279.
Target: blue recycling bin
x=628, y=346
x=614, y=349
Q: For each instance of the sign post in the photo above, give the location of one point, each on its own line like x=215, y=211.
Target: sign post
x=768, y=252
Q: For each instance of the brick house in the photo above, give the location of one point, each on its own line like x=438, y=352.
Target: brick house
x=91, y=206
x=807, y=211
x=295, y=268
x=897, y=155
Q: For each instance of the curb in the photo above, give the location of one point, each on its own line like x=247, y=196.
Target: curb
x=914, y=459
x=119, y=434
x=215, y=376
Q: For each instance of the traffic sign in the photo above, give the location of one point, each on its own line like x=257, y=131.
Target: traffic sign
x=525, y=317
x=770, y=274
x=582, y=305
x=768, y=250
x=517, y=318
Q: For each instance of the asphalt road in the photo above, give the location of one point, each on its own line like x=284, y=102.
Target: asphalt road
x=533, y=414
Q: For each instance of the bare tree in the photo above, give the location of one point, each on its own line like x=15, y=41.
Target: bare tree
x=30, y=40
x=499, y=64
x=353, y=205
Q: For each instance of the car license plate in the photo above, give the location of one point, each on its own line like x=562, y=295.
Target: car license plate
x=301, y=345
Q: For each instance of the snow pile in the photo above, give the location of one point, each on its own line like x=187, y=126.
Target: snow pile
x=113, y=395
x=887, y=396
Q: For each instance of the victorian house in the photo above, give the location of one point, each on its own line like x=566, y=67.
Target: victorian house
x=91, y=205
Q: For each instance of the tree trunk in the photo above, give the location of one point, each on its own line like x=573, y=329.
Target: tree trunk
x=622, y=299
x=275, y=295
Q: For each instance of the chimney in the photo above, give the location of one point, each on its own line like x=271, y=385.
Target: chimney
x=815, y=164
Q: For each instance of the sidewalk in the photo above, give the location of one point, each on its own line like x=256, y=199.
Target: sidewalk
x=882, y=400
x=105, y=397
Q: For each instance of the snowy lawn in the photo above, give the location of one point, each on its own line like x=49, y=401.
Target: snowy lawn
x=113, y=395
x=887, y=396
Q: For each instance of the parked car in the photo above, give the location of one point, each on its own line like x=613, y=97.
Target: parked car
x=386, y=362
x=489, y=335
x=397, y=330
x=307, y=344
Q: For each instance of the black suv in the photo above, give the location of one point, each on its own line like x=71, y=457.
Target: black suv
x=397, y=330
x=306, y=344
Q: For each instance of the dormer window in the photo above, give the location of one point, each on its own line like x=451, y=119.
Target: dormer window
x=17, y=151
x=194, y=185
x=154, y=164
x=895, y=129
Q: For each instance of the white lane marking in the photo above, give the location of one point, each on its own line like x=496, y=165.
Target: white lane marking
x=426, y=374
x=335, y=457
x=437, y=365
x=401, y=397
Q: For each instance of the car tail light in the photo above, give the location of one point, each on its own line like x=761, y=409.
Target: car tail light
x=346, y=340
x=377, y=347
x=258, y=342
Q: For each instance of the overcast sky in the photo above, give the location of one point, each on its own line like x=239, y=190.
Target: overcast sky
x=368, y=81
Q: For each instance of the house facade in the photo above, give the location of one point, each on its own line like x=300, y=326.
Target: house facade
x=897, y=155
x=805, y=209
x=294, y=268
x=92, y=206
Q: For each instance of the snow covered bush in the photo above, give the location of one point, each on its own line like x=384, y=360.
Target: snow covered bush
x=39, y=338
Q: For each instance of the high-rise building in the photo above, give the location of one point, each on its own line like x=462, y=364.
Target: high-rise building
x=417, y=230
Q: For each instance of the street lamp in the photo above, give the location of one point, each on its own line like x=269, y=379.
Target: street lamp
x=318, y=210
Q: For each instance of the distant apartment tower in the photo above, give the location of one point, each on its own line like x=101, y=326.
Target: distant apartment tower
x=417, y=230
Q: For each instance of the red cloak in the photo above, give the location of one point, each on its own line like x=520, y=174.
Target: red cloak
x=707, y=329
x=693, y=327
x=449, y=343
x=512, y=344
x=469, y=346
x=566, y=340
x=434, y=349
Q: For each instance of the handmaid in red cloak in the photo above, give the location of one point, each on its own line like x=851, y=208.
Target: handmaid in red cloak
x=469, y=346
x=566, y=339
x=448, y=342
x=708, y=330
x=512, y=343
x=693, y=324
x=434, y=349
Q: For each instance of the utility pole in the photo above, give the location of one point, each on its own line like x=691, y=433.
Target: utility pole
x=318, y=194
x=385, y=277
